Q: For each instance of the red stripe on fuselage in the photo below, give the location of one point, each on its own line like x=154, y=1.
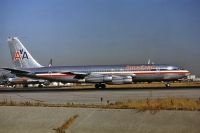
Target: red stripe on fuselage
x=57, y=75
x=180, y=73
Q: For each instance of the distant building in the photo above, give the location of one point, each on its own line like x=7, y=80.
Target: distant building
x=193, y=78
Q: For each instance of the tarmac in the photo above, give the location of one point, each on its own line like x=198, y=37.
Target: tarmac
x=46, y=119
x=15, y=119
x=90, y=96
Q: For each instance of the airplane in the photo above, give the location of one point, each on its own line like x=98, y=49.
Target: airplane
x=4, y=76
x=8, y=79
x=13, y=80
x=25, y=81
x=100, y=75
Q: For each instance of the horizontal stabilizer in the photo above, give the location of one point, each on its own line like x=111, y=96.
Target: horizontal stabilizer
x=16, y=71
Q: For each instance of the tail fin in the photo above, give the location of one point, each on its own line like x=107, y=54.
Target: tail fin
x=20, y=56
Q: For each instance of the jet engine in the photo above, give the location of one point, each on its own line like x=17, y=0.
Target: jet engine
x=121, y=80
x=98, y=79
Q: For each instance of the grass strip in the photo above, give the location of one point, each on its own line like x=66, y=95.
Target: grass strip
x=142, y=105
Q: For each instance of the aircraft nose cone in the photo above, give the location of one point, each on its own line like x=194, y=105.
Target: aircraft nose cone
x=187, y=73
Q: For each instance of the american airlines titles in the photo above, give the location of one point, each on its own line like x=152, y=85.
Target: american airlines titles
x=141, y=68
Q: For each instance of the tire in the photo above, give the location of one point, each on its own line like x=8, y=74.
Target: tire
x=103, y=86
x=97, y=86
x=40, y=86
x=25, y=86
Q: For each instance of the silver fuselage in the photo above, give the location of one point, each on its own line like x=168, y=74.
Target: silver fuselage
x=138, y=73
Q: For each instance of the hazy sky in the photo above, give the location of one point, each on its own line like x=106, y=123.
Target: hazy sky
x=81, y=32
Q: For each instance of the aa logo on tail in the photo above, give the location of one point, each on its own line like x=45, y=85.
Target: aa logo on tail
x=20, y=55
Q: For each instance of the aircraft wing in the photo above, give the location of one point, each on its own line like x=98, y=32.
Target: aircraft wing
x=17, y=71
x=78, y=75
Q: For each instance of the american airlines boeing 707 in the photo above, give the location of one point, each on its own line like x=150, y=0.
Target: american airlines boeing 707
x=100, y=75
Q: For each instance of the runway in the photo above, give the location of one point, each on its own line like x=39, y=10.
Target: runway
x=45, y=119
x=94, y=96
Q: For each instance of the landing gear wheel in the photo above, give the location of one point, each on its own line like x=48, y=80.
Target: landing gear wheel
x=103, y=86
x=40, y=86
x=97, y=86
x=25, y=86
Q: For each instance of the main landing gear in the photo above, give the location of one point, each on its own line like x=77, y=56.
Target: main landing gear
x=40, y=86
x=25, y=86
x=102, y=86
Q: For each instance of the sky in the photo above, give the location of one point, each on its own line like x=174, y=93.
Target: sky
x=104, y=32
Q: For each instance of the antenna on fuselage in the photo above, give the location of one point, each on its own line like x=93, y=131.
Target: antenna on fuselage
x=149, y=62
x=50, y=62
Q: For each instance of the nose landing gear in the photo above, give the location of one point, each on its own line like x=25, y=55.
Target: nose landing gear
x=167, y=84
